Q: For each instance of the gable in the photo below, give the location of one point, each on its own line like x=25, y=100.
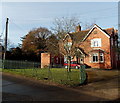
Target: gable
x=98, y=28
x=67, y=38
x=82, y=35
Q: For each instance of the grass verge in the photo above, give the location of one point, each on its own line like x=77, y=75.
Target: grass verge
x=55, y=75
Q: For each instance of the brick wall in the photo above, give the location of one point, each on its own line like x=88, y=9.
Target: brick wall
x=105, y=45
x=45, y=59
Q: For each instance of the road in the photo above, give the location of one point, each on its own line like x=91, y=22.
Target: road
x=19, y=89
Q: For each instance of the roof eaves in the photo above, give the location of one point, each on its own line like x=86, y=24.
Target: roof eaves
x=95, y=25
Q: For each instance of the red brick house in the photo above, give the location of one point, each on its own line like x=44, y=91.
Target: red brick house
x=97, y=46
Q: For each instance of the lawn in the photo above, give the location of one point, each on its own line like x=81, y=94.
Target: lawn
x=55, y=75
x=61, y=76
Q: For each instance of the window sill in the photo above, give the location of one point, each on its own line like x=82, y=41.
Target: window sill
x=94, y=62
x=97, y=62
x=102, y=62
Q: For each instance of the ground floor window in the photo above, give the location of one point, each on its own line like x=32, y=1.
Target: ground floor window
x=101, y=57
x=95, y=57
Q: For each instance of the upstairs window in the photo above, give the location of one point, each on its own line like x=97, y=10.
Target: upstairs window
x=68, y=45
x=96, y=42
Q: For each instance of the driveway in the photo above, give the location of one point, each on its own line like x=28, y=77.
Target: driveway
x=17, y=88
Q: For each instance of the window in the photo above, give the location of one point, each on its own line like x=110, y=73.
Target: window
x=81, y=60
x=95, y=57
x=101, y=57
x=68, y=45
x=65, y=58
x=96, y=42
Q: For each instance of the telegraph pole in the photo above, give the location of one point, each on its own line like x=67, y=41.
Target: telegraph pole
x=6, y=34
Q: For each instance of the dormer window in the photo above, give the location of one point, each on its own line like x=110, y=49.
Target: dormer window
x=68, y=45
x=96, y=42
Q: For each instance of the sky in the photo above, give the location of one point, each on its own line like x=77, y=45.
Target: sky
x=25, y=16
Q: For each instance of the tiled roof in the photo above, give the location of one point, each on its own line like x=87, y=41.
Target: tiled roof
x=78, y=36
x=109, y=30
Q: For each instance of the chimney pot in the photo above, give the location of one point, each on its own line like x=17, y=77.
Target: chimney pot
x=78, y=28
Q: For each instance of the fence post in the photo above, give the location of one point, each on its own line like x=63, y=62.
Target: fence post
x=50, y=73
x=68, y=75
x=3, y=64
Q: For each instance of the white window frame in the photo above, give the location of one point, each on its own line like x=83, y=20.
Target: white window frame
x=96, y=42
x=101, y=54
x=97, y=59
x=95, y=54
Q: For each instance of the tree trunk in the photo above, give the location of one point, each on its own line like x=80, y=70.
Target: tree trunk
x=69, y=67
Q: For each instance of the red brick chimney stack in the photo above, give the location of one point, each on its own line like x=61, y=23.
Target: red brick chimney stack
x=78, y=28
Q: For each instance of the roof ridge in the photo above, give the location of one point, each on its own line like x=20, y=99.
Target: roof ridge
x=109, y=28
x=81, y=31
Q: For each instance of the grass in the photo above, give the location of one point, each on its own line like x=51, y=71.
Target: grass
x=56, y=75
x=61, y=76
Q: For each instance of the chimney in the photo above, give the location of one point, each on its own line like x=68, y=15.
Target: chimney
x=78, y=28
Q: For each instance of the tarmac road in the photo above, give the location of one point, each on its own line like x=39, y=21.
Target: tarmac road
x=19, y=89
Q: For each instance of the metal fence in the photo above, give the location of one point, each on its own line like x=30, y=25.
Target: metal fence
x=12, y=64
x=32, y=69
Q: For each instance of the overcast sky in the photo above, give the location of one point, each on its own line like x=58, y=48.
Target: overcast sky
x=24, y=16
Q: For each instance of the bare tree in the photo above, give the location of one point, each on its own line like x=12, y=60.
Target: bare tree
x=67, y=48
x=64, y=25
x=88, y=25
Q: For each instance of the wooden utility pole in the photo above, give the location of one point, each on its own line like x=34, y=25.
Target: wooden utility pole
x=6, y=34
